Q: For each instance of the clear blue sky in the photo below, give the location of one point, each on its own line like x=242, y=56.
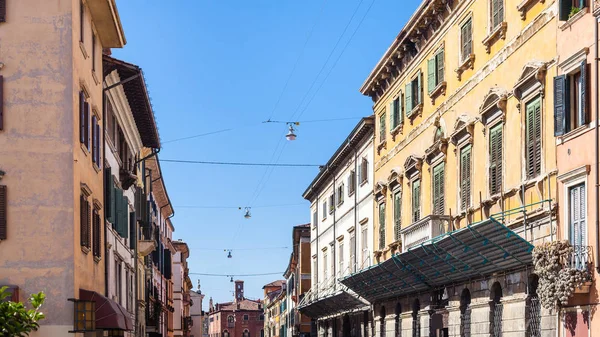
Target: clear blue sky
x=215, y=64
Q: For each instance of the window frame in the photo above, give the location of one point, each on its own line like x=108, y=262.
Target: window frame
x=381, y=208
x=436, y=71
x=418, y=200
x=496, y=25
x=464, y=57
x=498, y=125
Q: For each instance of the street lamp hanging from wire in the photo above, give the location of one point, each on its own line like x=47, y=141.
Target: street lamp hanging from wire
x=291, y=135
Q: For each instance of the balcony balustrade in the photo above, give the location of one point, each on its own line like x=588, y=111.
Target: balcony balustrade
x=425, y=229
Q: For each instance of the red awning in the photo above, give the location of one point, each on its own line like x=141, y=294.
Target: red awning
x=110, y=315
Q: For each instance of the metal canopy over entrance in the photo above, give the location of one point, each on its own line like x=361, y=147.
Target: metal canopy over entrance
x=475, y=251
x=340, y=301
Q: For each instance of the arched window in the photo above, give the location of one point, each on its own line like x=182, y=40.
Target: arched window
x=465, y=313
x=262, y=332
x=533, y=316
x=225, y=333
x=246, y=333
x=398, y=321
x=230, y=321
x=382, y=321
x=416, y=323
x=496, y=310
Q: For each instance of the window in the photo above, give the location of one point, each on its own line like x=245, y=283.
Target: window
x=568, y=8
x=245, y=317
x=84, y=120
x=96, y=233
x=81, y=20
x=466, y=40
x=577, y=222
x=382, y=128
x=364, y=243
x=352, y=247
x=315, y=219
x=381, y=226
x=570, y=100
x=341, y=257
x=496, y=309
x=261, y=318
x=396, y=116
x=416, y=200
x=435, y=70
x=96, y=148
x=495, y=149
x=412, y=94
x=84, y=221
x=324, y=266
x=324, y=210
x=351, y=182
x=246, y=332
x=438, y=189
x=118, y=280
x=363, y=170
x=465, y=177
x=331, y=203
x=533, y=138
x=497, y=13
x=93, y=51
x=397, y=214
x=340, y=194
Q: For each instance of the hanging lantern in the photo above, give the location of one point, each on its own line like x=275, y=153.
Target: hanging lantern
x=231, y=280
x=291, y=135
x=229, y=255
x=247, y=215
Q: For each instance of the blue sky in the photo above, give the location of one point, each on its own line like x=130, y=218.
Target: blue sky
x=217, y=64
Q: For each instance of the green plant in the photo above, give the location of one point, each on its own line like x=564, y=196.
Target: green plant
x=574, y=10
x=15, y=319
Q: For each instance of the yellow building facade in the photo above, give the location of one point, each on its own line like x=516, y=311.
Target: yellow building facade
x=464, y=143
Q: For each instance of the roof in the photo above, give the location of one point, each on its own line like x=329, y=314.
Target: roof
x=363, y=129
x=137, y=95
x=278, y=283
x=297, y=233
x=245, y=304
x=159, y=189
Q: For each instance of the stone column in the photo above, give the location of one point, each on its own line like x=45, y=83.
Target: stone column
x=454, y=321
x=390, y=325
x=513, y=315
x=377, y=325
x=425, y=318
x=480, y=317
x=407, y=321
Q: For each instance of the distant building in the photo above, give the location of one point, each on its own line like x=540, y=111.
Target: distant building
x=241, y=318
x=182, y=285
x=274, y=294
x=196, y=313
x=297, y=277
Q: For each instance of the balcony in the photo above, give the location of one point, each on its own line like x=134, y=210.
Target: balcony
x=146, y=243
x=423, y=230
x=581, y=259
x=186, y=298
x=187, y=323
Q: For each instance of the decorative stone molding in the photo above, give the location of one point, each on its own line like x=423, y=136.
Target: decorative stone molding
x=440, y=89
x=380, y=189
x=525, y=5
x=397, y=130
x=498, y=32
x=416, y=111
x=395, y=177
x=468, y=63
x=532, y=79
x=436, y=150
x=412, y=166
x=464, y=128
x=381, y=146
x=494, y=105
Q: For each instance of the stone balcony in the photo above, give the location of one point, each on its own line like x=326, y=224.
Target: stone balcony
x=146, y=243
x=423, y=230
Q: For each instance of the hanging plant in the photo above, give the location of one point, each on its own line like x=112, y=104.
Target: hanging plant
x=558, y=279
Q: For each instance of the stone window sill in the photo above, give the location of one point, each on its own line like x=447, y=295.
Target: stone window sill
x=95, y=77
x=440, y=89
x=416, y=111
x=364, y=182
x=574, y=133
x=97, y=259
x=468, y=63
x=395, y=131
x=83, y=51
x=567, y=24
x=498, y=32
x=382, y=145
x=85, y=149
x=96, y=168
x=85, y=250
x=525, y=5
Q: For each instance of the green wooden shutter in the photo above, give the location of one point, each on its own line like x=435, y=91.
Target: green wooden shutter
x=561, y=105
x=420, y=87
x=382, y=226
x=439, y=62
x=118, y=209
x=392, y=116
x=438, y=189
x=132, y=230
x=382, y=127
x=124, y=218
x=465, y=177
x=397, y=215
x=431, y=73
x=416, y=200
x=500, y=11
x=583, y=85
x=408, y=96
x=400, y=108
x=534, y=135
x=495, y=174
x=564, y=9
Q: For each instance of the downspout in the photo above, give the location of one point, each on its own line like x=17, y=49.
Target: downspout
x=104, y=191
x=597, y=157
x=334, y=237
x=355, y=212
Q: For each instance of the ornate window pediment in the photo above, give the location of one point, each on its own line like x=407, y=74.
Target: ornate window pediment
x=395, y=177
x=380, y=188
x=440, y=143
x=463, y=130
x=412, y=166
x=531, y=80
x=494, y=105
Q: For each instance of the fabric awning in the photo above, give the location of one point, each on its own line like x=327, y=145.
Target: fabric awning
x=477, y=250
x=337, y=302
x=110, y=315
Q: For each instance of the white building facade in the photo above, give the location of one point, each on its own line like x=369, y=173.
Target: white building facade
x=341, y=198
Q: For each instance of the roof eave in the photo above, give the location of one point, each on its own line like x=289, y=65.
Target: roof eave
x=108, y=23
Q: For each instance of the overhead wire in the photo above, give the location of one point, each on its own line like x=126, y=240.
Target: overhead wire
x=240, y=207
x=232, y=275
x=240, y=249
x=235, y=163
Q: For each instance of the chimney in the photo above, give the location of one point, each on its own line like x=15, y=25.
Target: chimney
x=239, y=291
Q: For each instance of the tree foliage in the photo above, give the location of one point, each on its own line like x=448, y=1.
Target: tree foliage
x=15, y=319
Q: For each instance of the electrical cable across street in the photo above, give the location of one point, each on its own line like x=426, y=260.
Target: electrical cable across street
x=236, y=163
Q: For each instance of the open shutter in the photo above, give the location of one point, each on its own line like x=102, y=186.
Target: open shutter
x=397, y=215
x=3, y=213
x=82, y=117
x=465, y=178
x=495, y=159
x=564, y=9
x=82, y=220
x=408, y=97
x=118, y=209
x=124, y=232
x=359, y=175
x=537, y=129
x=94, y=138
x=583, y=86
x=107, y=191
x=530, y=141
x=132, y=230
x=400, y=108
x=416, y=191
x=98, y=147
x=439, y=60
x=431, y=74
x=2, y=10
x=392, y=116
x=86, y=124
x=560, y=105
x=420, y=87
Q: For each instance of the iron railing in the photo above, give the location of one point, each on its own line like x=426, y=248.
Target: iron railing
x=497, y=319
x=580, y=258
x=416, y=326
x=534, y=317
x=465, y=321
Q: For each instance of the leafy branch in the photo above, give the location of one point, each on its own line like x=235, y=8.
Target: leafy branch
x=15, y=319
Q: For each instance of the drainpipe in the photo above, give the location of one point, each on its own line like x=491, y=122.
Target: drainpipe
x=104, y=192
x=597, y=157
x=334, y=250
x=355, y=212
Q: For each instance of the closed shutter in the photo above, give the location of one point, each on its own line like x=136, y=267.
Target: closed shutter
x=498, y=12
x=561, y=104
x=168, y=270
x=118, y=210
x=466, y=39
x=124, y=232
x=107, y=190
x=98, y=147
x=408, y=98
x=438, y=189
x=419, y=92
x=132, y=230
x=94, y=139
x=465, y=178
x=583, y=86
x=352, y=253
x=3, y=213
x=439, y=63
x=82, y=117
x=392, y=116
x=534, y=142
x=495, y=174
x=1, y=102
x=431, y=73
x=577, y=216
x=97, y=234
x=382, y=226
x=382, y=127
x=82, y=220
x=86, y=125
x=416, y=200
x=397, y=215
x=360, y=173
x=2, y=10
x=564, y=9
x=400, y=108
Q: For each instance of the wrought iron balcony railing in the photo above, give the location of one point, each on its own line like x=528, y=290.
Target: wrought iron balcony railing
x=581, y=258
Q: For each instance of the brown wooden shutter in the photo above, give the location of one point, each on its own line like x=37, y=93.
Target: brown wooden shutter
x=96, y=235
x=1, y=102
x=2, y=10
x=82, y=117
x=3, y=212
x=583, y=108
x=86, y=124
x=88, y=224
x=82, y=211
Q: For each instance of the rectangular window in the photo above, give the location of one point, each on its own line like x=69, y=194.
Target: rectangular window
x=351, y=182
x=568, y=8
x=85, y=223
x=465, y=177
x=84, y=120
x=381, y=226
x=416, y=200
x=325, y=267
x=438, y=189
x=245, y=317
x=497, y=13
x=533, y=138
x=96, y=233
x=363, y=171
x=577, y=220
x=314, y=271
x=397, y=214
x=340, y=194
x=466, y=40
x=435, y=70
x=324, y=209
x=341, y=258
x=352, y=247
x=331, y=203
x=396, y=113
x=93, y=51
x=412, y=94
x=382, y=128
x=81, y=20
x=315, y=219
x=570, y=100
x=364, y=243
x=495, y=148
